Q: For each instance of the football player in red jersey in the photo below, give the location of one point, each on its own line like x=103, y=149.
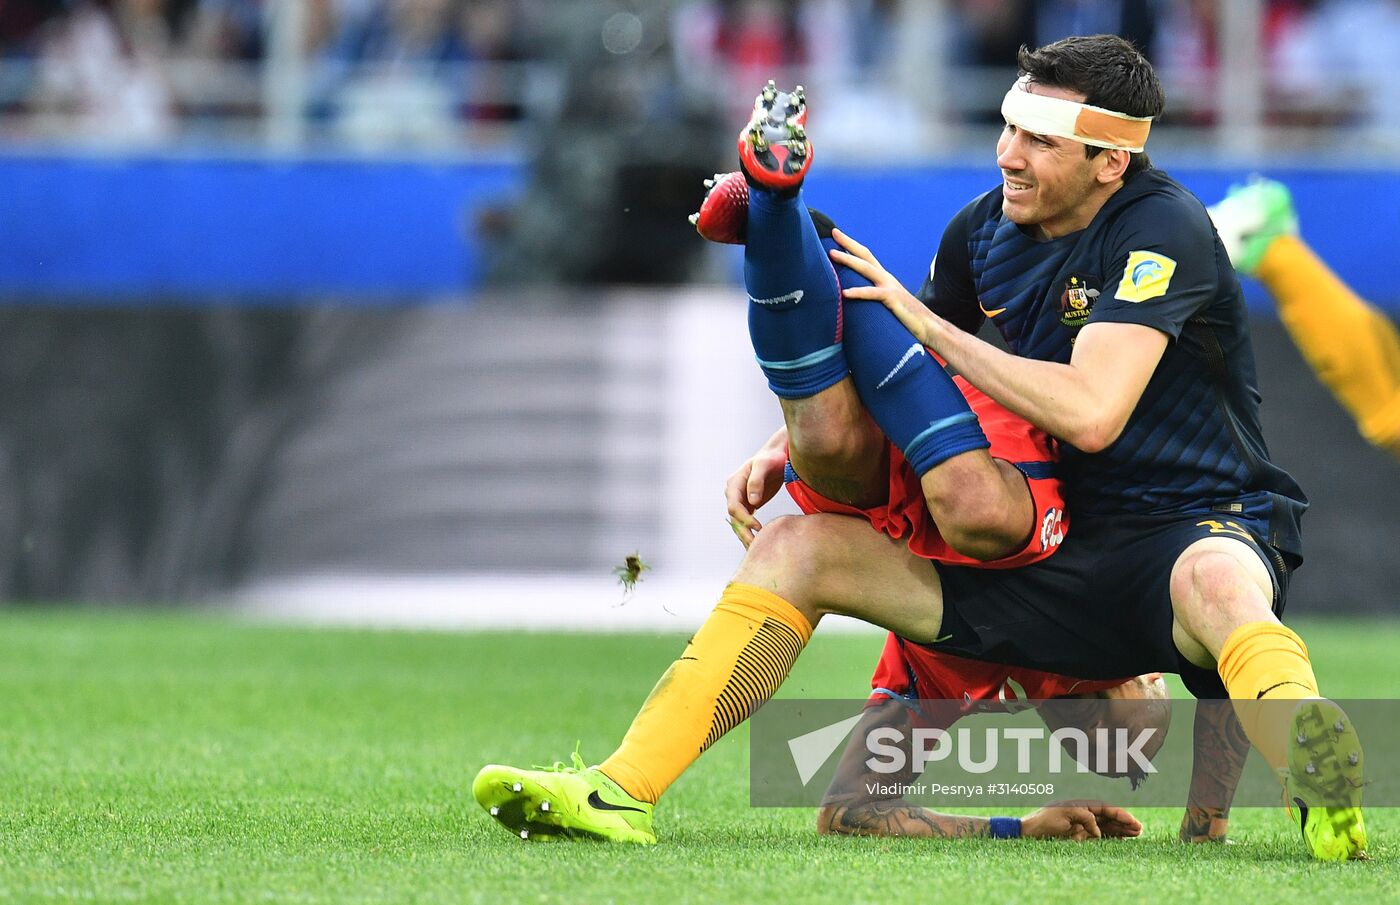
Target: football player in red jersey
x=915, y=687
x=914, y=684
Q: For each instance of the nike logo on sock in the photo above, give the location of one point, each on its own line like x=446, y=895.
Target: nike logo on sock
x=596, y=801
x=1261, y=694
x=913, y=352
x=794, y=297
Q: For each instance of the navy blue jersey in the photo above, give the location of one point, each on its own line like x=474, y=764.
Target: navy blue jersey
x=1193, y=444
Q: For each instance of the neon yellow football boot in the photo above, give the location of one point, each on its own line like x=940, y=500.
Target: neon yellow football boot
x=1324, y=781
x=561, y=802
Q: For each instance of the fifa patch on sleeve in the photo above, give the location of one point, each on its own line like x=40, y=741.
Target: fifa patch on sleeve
x=1147, y=276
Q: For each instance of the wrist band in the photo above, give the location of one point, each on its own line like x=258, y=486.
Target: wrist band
x=1006, y=827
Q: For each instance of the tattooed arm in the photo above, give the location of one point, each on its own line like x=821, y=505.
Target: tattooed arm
x=852, y=807
x=1219, y=754
x=863, y=802
x=896, y=817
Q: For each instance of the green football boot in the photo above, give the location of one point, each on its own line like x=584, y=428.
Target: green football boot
x=1250, y=217
x=1324, y=781
x=561, y=802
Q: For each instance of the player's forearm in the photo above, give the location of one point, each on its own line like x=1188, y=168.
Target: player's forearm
x=897, y=817
x=1204, y=825
x=1220, y=751
x=1057, y=398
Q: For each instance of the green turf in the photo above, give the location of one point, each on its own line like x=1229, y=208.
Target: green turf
x=185, y=759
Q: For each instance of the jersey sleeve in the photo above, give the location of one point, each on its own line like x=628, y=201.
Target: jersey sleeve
x=1160, y=267
x=949, y=290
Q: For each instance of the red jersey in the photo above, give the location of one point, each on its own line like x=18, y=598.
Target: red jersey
x=913, y=671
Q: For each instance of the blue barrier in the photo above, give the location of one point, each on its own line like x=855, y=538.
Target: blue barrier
x=124, y=229
x=181, y=229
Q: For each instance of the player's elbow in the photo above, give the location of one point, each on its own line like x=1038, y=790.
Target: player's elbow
x=1094, y=435
x=1089, y=440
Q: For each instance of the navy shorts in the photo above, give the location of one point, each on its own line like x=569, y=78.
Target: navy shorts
x=1101, y=606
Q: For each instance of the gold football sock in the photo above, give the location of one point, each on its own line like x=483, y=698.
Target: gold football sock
x=735, y=662
x=1266, y=661
x=1354, y=348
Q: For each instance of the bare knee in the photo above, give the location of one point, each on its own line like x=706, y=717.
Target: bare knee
x=1214, y=592
x=982, y=506
x=787, y=558
x=825, y=563
x=1206, y=580
x=772, y=546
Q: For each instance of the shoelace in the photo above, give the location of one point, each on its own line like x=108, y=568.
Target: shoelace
x=560, y=767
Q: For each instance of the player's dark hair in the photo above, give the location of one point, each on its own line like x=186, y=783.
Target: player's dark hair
x=1108, y=70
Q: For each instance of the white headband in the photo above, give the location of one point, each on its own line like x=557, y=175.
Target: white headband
x=1095, y=126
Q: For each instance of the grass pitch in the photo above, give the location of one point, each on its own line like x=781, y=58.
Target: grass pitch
x=174, y=758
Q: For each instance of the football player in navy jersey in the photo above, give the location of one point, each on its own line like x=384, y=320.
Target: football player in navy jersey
x=1128, y=341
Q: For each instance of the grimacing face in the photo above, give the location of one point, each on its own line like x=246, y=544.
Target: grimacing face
x=1048, y=183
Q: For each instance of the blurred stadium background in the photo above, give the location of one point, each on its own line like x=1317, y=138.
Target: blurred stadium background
x=388, y=310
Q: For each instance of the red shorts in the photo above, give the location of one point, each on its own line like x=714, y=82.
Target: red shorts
x=908, y=670
x=1012, y=438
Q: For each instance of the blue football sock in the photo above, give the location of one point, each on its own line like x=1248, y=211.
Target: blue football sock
x=907, y=392
x=794, y=302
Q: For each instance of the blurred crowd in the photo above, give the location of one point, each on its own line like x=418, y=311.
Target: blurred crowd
x=428, y=70
x=146, y=69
